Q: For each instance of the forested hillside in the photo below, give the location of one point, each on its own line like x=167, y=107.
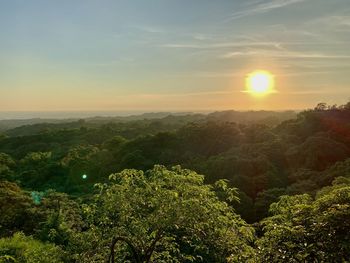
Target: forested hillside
x=223, y=187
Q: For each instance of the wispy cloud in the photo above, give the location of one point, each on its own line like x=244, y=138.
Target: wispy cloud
x=282, y=54
x=220, y=45
x=262, y=7
x=201, y=37
x=235, y=74
x=329, y=91
x=335, y=22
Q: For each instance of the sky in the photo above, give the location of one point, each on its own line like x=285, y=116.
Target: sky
x=171, y=55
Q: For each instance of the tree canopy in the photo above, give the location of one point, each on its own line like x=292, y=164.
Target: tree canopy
x=222, y=187
x=166, y=215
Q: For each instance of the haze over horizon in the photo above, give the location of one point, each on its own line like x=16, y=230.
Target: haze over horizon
x=171, y=55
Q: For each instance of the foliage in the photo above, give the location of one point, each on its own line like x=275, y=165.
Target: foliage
x=251, y=162
x=306, y=230
x=7, y=164
x=166, y=215
x=21, y=248
x=62, y=218
x=17, y=210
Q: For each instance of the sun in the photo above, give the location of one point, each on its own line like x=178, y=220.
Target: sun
x=260, y=82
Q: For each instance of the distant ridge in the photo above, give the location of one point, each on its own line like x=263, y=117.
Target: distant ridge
x=16, y=127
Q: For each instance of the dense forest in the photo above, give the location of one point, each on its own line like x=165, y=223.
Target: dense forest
x=220, y=187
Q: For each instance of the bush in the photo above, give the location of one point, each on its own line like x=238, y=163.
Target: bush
x=23, y=249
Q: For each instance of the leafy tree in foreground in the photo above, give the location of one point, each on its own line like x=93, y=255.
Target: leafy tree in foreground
x=306, y=230
x=163, y=216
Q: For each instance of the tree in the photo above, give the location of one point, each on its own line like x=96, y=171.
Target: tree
x=165, y=215
x=306, y=230
x=62, y=218
x=79, y=161
x=34, y=169
x=321, y=107
x=17, y=210
x=114, y=143
x=6, y=166
x=316, y=153
x=21, y=248
x=264, y=199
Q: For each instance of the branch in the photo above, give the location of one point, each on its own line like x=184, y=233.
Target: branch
x=129, y=243
x=151, y=248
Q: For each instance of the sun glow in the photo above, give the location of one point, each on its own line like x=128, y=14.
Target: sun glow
x=260, y=82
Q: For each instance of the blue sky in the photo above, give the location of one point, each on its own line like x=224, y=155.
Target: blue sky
x=171, y=54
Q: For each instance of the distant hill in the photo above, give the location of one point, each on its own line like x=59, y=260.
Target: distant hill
x=13, y=123
x=8, y=124
x=151, y=121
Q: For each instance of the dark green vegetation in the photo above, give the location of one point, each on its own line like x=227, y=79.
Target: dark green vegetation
x=273, y=190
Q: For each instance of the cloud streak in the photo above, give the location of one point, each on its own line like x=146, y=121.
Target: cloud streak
x=282, y=54
x=220, y=45
x=241, y=75
x=334, y=22
x=261, y=8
